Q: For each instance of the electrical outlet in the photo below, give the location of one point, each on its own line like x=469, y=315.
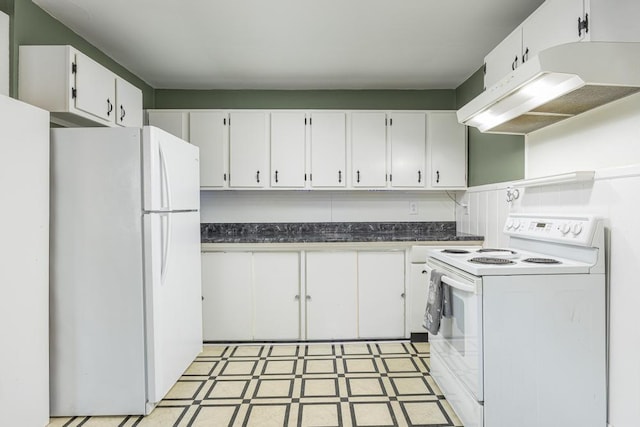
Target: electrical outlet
x=413, y=208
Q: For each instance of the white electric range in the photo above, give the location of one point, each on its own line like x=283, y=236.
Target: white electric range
x=526, y=343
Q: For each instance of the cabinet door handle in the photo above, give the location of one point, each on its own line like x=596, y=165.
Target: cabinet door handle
x=224, y=177
x=276, y=176
x=258, y=177
x=297, y=297
x=514, y=64
x=122, y=112
x=525, y=55
x=339, y=177
x=109, y=107
x=358, y=176
x=402, y=295
x=437, y=176
x=308, y=297
x=419, y=177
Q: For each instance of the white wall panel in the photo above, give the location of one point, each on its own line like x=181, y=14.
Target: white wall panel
x=4, y=54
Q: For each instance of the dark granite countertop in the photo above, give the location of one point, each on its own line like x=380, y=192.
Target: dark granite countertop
x=332, y=232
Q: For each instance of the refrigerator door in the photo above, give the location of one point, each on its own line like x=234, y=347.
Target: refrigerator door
x=171, y=172
x=173, y=298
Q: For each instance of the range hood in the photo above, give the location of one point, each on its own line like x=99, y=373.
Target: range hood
x=558, y=83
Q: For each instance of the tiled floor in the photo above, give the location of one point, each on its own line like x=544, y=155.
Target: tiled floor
x=351, y=384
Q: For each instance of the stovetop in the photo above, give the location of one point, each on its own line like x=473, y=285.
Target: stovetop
x=506, y=261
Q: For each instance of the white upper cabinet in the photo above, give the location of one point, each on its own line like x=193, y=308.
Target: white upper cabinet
x=128, y=104
x=288, y=132
x=407, y=136
x=209, y=131
x=75, y=89
x=328, y=150
x=94, y=91
x=554, y=23
x=248, y=145
x=503, y=59
x=447, y=150
x=369, y=150
x=174, y=122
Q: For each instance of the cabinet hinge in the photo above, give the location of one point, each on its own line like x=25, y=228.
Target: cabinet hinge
x=310, y=177
x=386, y=177
x=305, y=177
x=386, y=122
x=391, y=122
x=229, y=121
x=583, y=25
x=305, y=121
x=74, y=93
x=484, y=69
x=390, y=178
x=309, y=121
x=74, y=68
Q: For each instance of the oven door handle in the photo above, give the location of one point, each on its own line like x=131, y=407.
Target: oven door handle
x=464, y=287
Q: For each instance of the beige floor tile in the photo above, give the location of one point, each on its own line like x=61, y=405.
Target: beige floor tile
x=161, y=417
x=184, y=390
x=280, y=367
x=274, y=388
x=392, y=348
x=58, y=421
x=320, y=415
x=238, y=368
x=319, y=387
x=422, y=347
x=200, y=368
x=359, y=366
x=104, y=421
x=212, y=350
x=247, y=351
x=228, y=389
x=454, y=418
x=372, y=414
x=400, y=364
x=319, y=350
x=217, y=415
x=355, y=349
x=410, y=386
x=267, y=416
x=365, y=387
x=283, y=350
x=424, y=413
x=433, y=385
x=319, y=366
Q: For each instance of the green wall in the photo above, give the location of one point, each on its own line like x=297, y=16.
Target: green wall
x=492, y=158
x=32, y=25
x=312, y=99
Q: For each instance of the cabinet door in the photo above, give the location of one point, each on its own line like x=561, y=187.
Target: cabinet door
x=368, y=150
x=174, y=122
x=503, y=59
x=95, y=88
x=331, y=295
x=128, y=104
x=276, y=284
x=227, y=300
x=328, y=150
x=288, y=150
x=447, y=140
x=208, y=130
x=554, y=23
x=248, y=144
x=408, y=149
x=381, y=294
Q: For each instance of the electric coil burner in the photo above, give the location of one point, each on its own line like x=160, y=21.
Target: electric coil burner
x=506, y=251
x=455, y=251
x=541, y=260
x=490, y=260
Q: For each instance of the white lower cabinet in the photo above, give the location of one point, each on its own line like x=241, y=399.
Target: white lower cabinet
x=347, y=294
x=276, y=290
x=381, y=294
x=332, y=298
x=227, y=300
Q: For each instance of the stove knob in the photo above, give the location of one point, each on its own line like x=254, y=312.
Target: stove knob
x=564, y=228
x=509, y=224
x=516, y=224
x=576, y=229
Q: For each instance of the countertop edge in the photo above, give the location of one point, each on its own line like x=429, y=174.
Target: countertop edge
x=389, y=245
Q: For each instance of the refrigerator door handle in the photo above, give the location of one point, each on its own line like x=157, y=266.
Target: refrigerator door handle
x=164, y=179
x=165, y=221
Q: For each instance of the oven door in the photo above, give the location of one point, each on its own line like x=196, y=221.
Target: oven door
x=459, y=341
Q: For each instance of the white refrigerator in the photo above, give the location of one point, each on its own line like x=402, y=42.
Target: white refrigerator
x=126, y=309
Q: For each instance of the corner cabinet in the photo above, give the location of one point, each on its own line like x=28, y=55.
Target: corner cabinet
x=75, y=89
x=447, y=150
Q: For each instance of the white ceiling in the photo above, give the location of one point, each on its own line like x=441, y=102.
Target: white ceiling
x=295, y=44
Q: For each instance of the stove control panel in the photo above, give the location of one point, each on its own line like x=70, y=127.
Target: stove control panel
x=571, y=229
